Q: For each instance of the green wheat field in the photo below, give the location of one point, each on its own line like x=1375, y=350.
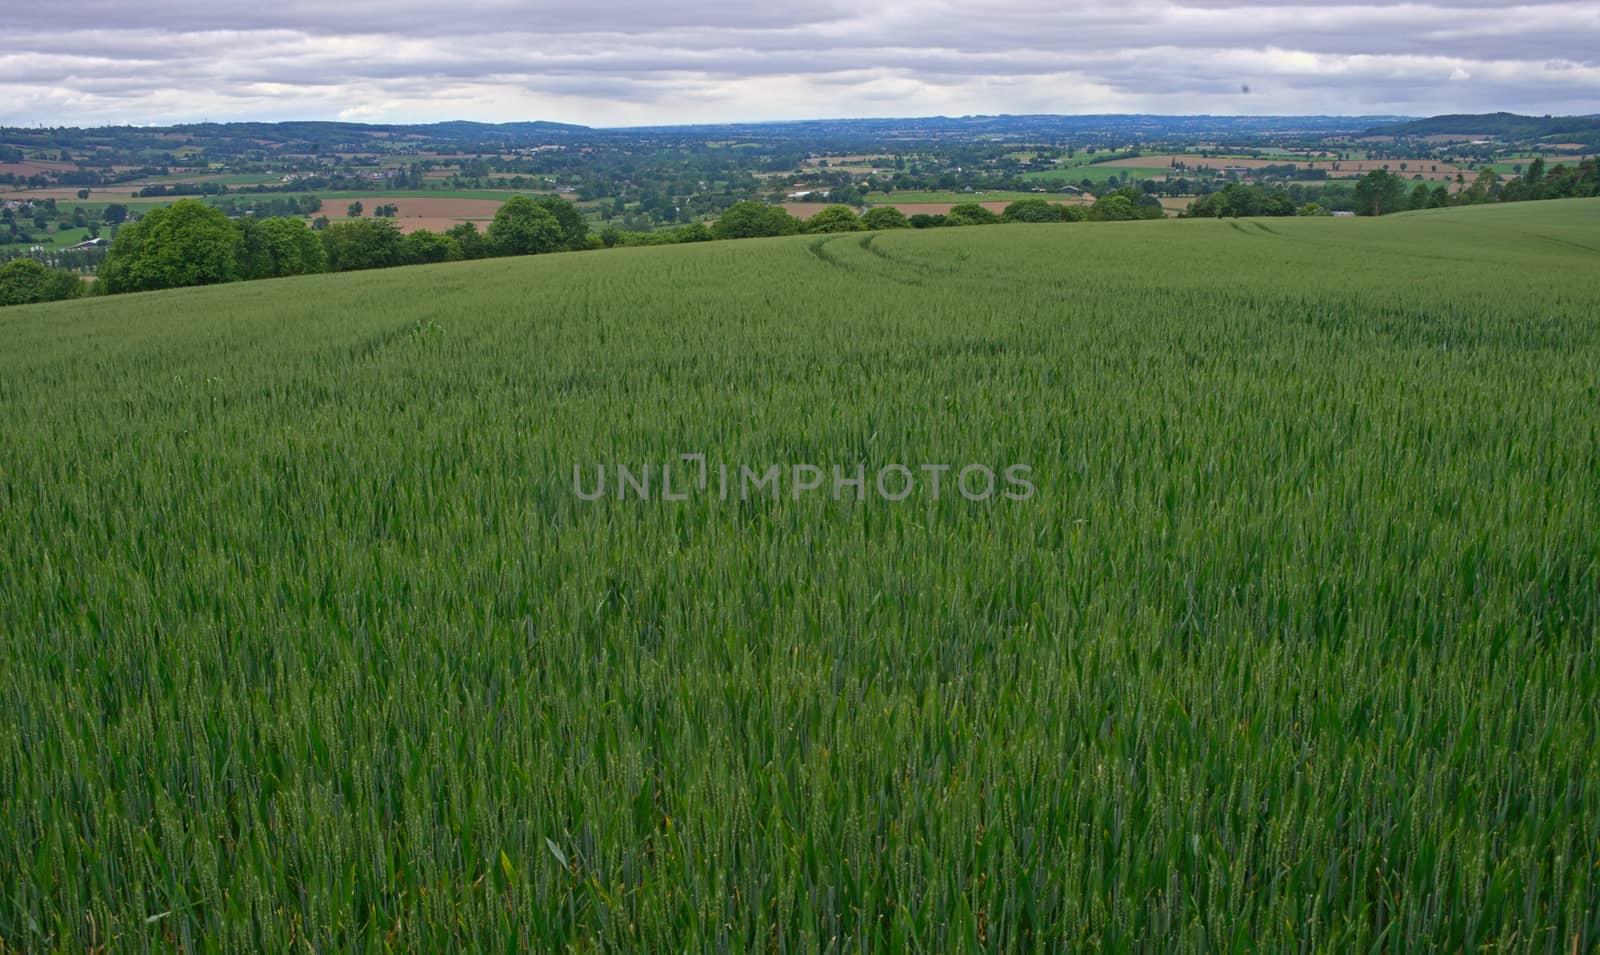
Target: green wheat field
x=309, y=645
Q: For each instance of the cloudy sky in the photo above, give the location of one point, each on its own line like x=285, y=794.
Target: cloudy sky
x=626, y=62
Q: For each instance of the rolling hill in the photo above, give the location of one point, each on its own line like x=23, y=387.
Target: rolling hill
x=1583, y=129
x=311, y=638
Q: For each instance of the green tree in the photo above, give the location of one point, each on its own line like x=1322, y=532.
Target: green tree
x=693, y=232
x=1213, y=206
x=423, y=247
x=1114, y=207
x=834, y=219
x=574, y=227
x=970, y=213
x=748, y=220
x=1033, y=210
x=523, y=227
x=184, y=244
x=277, y=247
x=353, y=210
x=1379, y=193
x=363, y=244
x=885, y=217
x=472, y=243
x=846, y=194
x=1276, y=203
x=1240, y=200
x=1484, y=188
x=1420, y=197
x=26, y=281
x=1535, y=173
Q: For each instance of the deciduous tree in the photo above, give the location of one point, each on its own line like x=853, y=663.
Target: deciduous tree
x=26, y=281
x=185, y=244
x=523, y=227
x=280, y=246
x=363, y=244
x=885, y=217
x=748, y=220
x=1033, y=210
x=423, y=247
x=970, y=213
x=834, y=219
x=1379, y=193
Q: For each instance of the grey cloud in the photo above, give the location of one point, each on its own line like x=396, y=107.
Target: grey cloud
x=613, y=61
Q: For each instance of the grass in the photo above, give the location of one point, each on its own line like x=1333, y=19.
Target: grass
x=502, y=194
x=906, y=197
x=308, y=643
x=55, y=239
x=1096, y=174
x=1508, y=167
x=250, y=179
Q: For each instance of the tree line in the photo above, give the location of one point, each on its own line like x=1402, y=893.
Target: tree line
x=754, y=219
x=190, y=243
x=1381, y=192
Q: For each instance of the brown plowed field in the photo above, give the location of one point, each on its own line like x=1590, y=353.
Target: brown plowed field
x=420, y=212
x=32, y=167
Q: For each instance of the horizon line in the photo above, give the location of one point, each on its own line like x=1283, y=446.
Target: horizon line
x=795, y=122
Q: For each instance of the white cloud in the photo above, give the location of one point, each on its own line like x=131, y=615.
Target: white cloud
x=613, y=62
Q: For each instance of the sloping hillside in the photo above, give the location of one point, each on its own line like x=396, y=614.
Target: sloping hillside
x=308, y=640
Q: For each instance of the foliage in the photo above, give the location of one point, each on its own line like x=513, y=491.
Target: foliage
x=884, y=217
x=423, y=247
x=1113, y=208
x=1241, y=200
x=1562, y=182
x=574, y=227
x=1125, y=204
x=267, y=206
x=184, y=244
x=24, y=281
x=834, y=219
x=970, y=213
x=182, y=189
x=473, y=244
x=1505, y=125
x=359, y=244
x=277, y=247
x=1034, y=210
x=523, y=227
x=693, y=232
x=748, y=220
x=1380, y=192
